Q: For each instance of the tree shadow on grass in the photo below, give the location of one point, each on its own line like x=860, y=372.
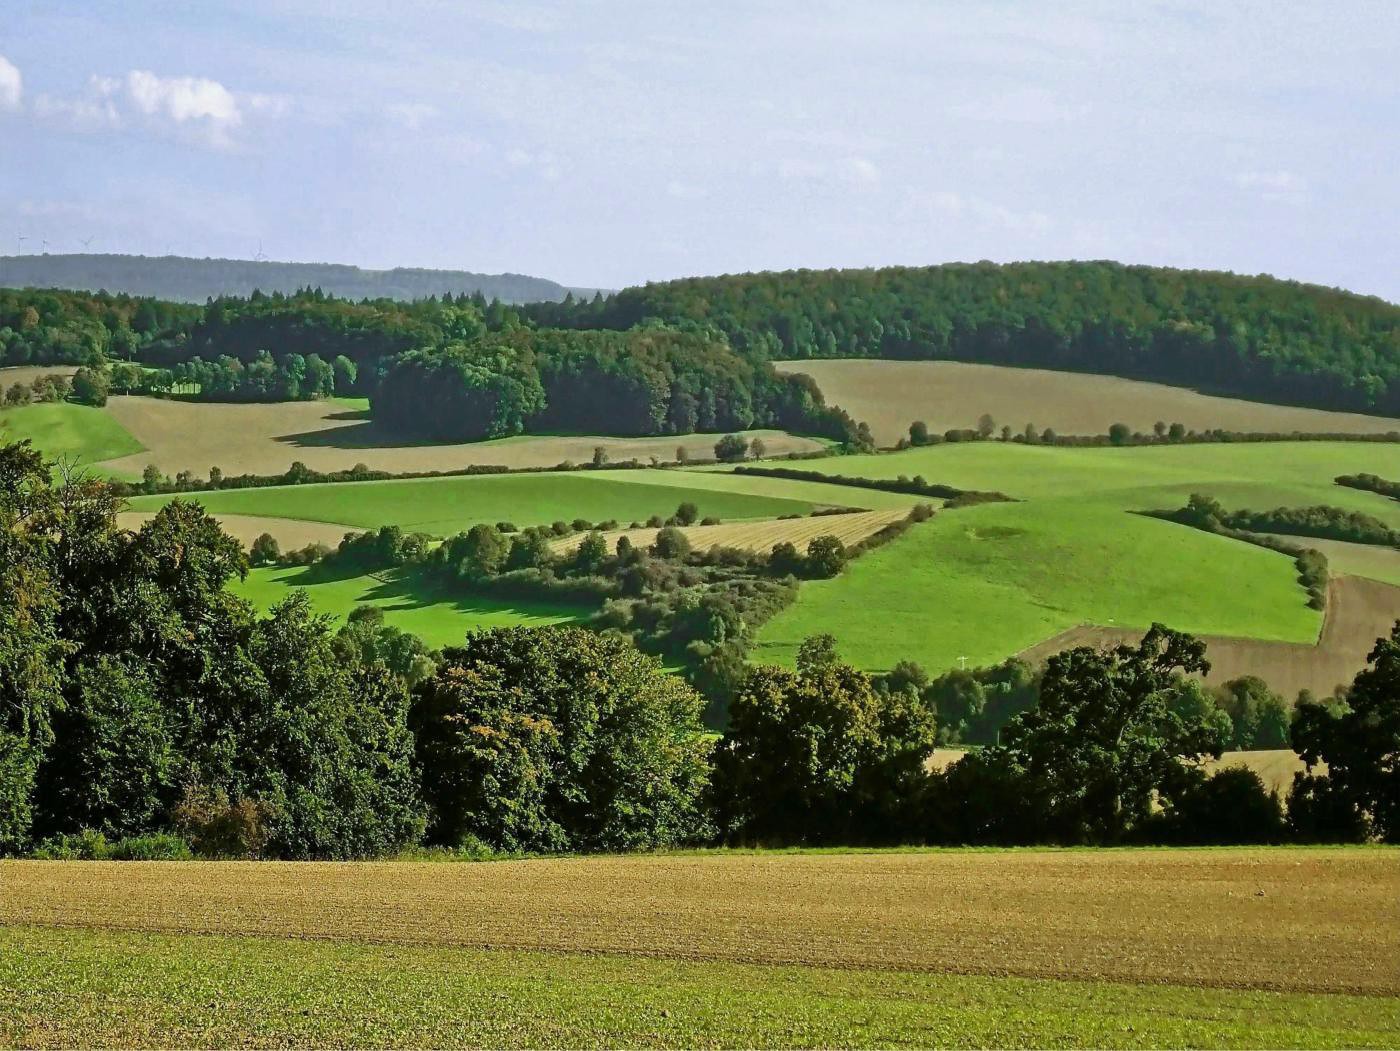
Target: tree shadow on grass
x=400, y=590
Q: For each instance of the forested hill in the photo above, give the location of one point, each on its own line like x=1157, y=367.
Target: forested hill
x=1255, y=337
x=195, y=280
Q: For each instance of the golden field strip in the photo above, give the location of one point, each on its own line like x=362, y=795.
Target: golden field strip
x=1289, y=920
x=890, y=395
x=758, y=536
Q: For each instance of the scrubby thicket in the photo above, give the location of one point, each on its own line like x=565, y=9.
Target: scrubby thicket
x=1251, y=336
x=145, y=712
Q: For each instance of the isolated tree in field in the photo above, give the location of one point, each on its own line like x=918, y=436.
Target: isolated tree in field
x=591, y=554
x=91, y=386
x=731, y=448
x=549, y=739
x=687, y=514
x=826, y=556
x=918, y=433
x=681, y=455
x=1005, y=433
x=819, y=756
x=1360, y=742
x=757, y=448
x=150, y=478
x=265, y=550
x=1031, y=434
x=1176, y=432
x=670, y=544
x=1159, y=429
x=600, y=456
x=1048, y=436
x=985, y=426
x=1119, y=434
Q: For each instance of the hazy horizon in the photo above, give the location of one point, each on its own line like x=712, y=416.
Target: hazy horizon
x=608, y=145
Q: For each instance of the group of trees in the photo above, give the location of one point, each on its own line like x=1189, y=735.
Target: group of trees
x=139, y=699
x=43, y=389
x=1251, y=336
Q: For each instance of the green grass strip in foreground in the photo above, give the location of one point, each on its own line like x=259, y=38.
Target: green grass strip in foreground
x=80, y=987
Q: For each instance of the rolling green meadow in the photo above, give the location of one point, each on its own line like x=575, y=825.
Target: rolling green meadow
x=66, y=430
x=991, y=580
x=442, y=506
x=411, y=601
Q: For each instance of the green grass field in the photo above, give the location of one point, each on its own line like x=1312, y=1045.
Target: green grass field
x=79, y=432
x=409, y=600
x=986, y=582
x=442, y=506
x=112, y=988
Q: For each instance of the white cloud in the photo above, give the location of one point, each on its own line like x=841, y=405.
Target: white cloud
x=856, y=171
x=195, y=107
x=11, y=84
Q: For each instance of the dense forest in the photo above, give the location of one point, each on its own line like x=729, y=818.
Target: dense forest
x=1249, y=336
x=695, y=354
x=195, y=280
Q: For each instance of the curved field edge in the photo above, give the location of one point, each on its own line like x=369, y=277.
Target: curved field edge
x=1294, y=920
x=86, y=988
x=986, y=582
x=1359, y=611
x=79, y=433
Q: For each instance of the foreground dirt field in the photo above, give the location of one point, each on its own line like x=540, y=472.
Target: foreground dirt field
x=759, y=536
x=326, y=436
x=890, y=395
x=1286, y=919
x=1359, y=611
x=290, y=533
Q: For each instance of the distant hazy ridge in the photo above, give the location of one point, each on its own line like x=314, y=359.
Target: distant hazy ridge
x=195, y=280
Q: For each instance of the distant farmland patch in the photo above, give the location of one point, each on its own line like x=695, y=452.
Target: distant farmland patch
x=336, y=435
x=759, y=536
x=890, y=395
x=12, y=374
x=1359, y=611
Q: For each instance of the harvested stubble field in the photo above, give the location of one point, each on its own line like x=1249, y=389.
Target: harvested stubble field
x=1275, y=767
x=12, y=374
x=1359, y=611
x=1305, y=920
x=758, y=536
x=337, y=434
x=290, y=533
x=890, y=395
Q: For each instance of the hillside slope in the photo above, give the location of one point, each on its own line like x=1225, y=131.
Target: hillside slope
x=190, y=280
x=1255, y=337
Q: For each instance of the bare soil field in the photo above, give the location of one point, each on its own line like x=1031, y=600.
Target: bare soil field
x=328, y=436
x=1359, y=611
x=13, y=374
x=1289, y=919
x=890, y=395
x=290, y=533
x=758, y=536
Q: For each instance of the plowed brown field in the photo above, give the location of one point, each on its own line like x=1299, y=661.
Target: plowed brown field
x=890, y=395
x=1288, y=919
x=326, y=436
x=759, y=536
x=1359, y=611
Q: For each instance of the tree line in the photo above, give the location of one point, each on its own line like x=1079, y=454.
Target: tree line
x=147, y=712
x=1254, y=337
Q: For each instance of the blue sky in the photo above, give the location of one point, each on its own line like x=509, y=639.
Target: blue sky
x=612, y=143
